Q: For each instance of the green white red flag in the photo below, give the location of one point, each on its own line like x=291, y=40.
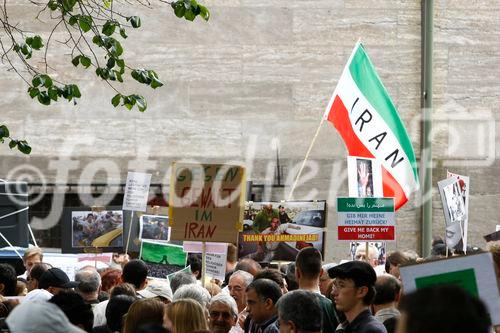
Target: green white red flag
x=363, y=113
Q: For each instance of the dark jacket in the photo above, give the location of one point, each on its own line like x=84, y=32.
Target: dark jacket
x=363, y=323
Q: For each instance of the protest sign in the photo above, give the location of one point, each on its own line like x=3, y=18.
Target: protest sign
x=215, y=265
x=277, y=231
x=454, y=210
x=464, y=184
x=197, y=247
x=364, y=177
x=474, y=273
x=206, y=202
x=136, y=191
x=162, y=259
x=366, y=219
x=154, y=227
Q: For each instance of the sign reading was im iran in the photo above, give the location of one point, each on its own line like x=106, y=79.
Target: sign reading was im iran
x=206, y=202
x=366, y=219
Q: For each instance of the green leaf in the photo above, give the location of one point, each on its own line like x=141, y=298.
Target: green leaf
x=118, y=76
x=116, y=48
x=4, y=131
x=73, y=20
x=204, y=12
x=12, y=144
x=85, y=23
x=107, y=3
x=109, y=27
x=47, y=81
x=111, y=63
x=128, y=102
x=68, y=5
x=189, y=15
x=121, y=63
x=135, y=21
x=179, y=9
x=37, y=81
x=116, y=100
x=141, y=103
x=53, y=93
x=37, y=42
x=75, y=91
x=28, y=40
x=155, y=83
x=52, y=5
x=44, y=98
x=76, y=60
x=97, y=40
x=85, y=61
x=136, y=75
x=26, y=50
x=16, y=47
x=123, y=33
x=33, y=92
x=24, y=147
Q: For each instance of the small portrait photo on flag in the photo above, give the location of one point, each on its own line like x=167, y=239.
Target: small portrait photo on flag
x=364, y=177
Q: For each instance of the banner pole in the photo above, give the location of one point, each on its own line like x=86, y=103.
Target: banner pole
x=32, y=236
x=290, y=195
x=7, y=241
x=203, y=262
x=129, y=231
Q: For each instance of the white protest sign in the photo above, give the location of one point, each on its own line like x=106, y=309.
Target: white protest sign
x=464, y=184
x=215, y=265
x=364, y=177
x=498, y=227
x=66, y=262
x=136, y=191
x=474, y=273
x=210, y=247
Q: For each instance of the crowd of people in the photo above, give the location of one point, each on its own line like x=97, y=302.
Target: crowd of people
x=305, y=296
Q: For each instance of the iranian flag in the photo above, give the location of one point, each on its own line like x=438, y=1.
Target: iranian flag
x=363, y=113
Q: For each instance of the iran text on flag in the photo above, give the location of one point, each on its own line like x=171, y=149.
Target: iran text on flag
x=363, y=113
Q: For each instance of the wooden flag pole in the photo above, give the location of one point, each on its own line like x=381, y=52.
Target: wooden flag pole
x=203, y=262
x=129, y=231
x=290, y=196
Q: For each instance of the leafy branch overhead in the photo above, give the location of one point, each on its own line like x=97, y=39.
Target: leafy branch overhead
x=93, y=33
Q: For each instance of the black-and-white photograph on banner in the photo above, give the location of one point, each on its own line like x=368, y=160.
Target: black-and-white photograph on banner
x=364, y=177
x=154, y=227
x=464, y=184
x=85, y=228
x=454, y=210
x=277, y=231
x=376, y=250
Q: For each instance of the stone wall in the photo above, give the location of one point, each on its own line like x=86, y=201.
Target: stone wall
x=258, y=76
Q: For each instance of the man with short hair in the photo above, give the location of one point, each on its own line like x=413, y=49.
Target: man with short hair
x=353, y=292
x=52, y=281
x=223, y=313
x=135, y=272
x=35, y=274
x=308, y=268
x=89, y=284
x=8, y=280
x=372, y=254
x=32, y=256
x=238, y=282
x=299, y=311
x=384, y=305
x=180, y=279
x=262, y=296
x=263, y=219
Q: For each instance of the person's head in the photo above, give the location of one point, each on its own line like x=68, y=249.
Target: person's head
x=232, y=257
x=55, y=280
x=299, y=311
x=110, y=278
x=146, y=310
x=308, y=264
x=194, y=261
x=238, y=283
x=213, y=288
x=32, y=256
x=195, y=292
x=159, y=289
x=275, y=223
x=281, y=209
x=185, y=316
x=442, y=309
x=117, y=307
x=181, y=279
x=324, y=282
x=353, y=285
x=21, y=287
x=387, y=289
x=248, y=265
x=135, y=272
x=123, y=289
x=262, y=296
x=393, y=261
x=89, y=283
x=75, y=308
x=223, y=313
x=273, y=275
x=8, y=280
x=290, y=278
x=268, y=208
x=372, y=254
x=35, y=274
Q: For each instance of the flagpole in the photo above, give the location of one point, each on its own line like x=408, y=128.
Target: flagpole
x=290, y=196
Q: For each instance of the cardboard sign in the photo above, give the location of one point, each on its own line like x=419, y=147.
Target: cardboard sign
x=162, y=259
x=206, y=202
x=215, y=265
x=474, y=273
x=464, y=184
x=366, y=219
x=454, y=210
x=136, y=191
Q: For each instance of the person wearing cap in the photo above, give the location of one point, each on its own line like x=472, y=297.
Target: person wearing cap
x=51, y=283
x=353, y=292
x=158, y=289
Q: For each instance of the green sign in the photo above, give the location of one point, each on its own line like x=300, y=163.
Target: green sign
x=365, y=204
x=166, y=254
x=465, y=279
